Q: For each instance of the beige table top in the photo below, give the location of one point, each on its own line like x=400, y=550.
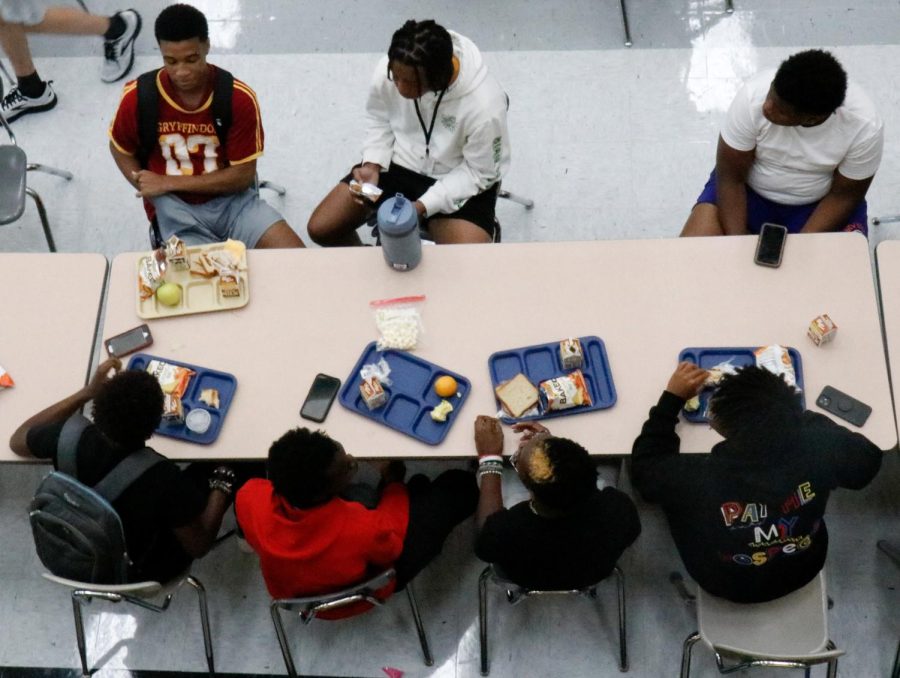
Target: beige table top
x=887, y=254
x=49, y=307
x=647, y=299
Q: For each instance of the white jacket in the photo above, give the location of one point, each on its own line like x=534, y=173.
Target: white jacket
x=470, y=142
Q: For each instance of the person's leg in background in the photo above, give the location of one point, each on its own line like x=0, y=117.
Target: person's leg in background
x=32, y=94
x=435, y=508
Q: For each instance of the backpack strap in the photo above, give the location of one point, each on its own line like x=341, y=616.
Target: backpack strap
x=126, y=472
x=147, y=114
x=223, y=91
x=67, y=445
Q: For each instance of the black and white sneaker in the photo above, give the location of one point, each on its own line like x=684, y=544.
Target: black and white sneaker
x=15, y=104
x=118, y=53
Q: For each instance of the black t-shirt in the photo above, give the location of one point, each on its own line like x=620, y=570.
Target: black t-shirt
x=565, y=552
x=161, y=499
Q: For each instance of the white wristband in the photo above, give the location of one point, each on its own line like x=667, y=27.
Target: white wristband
x=490, y=457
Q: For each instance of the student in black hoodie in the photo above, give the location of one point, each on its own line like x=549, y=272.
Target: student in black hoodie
x=747, y=518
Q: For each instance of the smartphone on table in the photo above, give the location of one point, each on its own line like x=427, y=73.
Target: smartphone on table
x=321, y=394
x=841, y=405
x=770, y=246
x=129, y=342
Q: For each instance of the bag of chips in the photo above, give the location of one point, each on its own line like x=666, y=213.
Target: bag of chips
x=5, y=380
x=561, y=393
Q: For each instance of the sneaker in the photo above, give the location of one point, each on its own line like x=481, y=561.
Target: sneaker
x=118, y=54
x=15, y=104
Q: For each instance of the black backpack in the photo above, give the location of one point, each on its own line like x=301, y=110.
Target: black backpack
x=77, y=533
x=148, y=119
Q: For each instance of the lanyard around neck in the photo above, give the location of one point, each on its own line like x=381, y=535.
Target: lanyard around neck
x=427, y=132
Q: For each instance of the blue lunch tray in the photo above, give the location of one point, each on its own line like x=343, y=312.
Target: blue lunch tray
x=411, y=395
x=204, y=378
x=541, y=362
x=740, y=357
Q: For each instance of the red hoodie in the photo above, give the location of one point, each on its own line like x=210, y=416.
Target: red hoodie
x=304, y=552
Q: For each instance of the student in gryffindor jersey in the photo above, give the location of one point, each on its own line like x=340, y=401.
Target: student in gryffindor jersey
x=193, y=189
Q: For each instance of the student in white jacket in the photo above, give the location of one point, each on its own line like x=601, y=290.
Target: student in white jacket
x=436, y=133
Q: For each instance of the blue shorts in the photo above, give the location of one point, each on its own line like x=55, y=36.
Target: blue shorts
x=761, y=210
x=242, y=216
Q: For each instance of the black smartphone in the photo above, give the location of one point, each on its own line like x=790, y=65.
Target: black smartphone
x=129, y=342
x=846, y=407
x=770, y=246
x=321, y=394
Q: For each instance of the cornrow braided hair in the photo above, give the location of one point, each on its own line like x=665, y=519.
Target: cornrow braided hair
x=560, y=473
x=427, y=47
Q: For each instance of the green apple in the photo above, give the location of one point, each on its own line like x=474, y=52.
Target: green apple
x=169, y=294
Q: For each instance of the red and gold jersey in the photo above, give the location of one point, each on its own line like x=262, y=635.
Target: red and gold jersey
x=188, y=143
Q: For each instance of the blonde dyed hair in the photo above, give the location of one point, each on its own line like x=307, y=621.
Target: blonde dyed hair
x=540, y=468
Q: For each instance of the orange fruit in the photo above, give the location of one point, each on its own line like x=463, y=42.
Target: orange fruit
x=445, y=386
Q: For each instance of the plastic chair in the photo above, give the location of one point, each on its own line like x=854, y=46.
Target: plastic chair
x=516, y=594
x=309, y=607
x=788, y=632
x=138, y=594
x=13, y=189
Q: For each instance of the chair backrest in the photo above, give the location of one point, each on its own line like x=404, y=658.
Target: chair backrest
x=793, y=627
x=517, y=591
x=13, y=165
x=310, y=606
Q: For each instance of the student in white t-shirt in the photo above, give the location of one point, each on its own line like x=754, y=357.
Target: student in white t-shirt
x=799, y=149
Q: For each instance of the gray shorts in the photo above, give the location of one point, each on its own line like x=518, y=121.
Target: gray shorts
x=27, y=12
x=241, y=216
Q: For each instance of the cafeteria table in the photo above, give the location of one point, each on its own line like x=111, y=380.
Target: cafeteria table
x=49, y=313
x=309, y=312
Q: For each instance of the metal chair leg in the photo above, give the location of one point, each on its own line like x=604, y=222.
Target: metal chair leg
x=832, y=663
x=278, y=188
x=420, y=628
x=895, y=671
x=283, y=641
x=204, y=620
x=623, y=637
x=79, y=631
x=729, y=7
x=625, y=24
x=686, y=653
x=37, y=167
x=42, y=213
x=483, y=620
x=527, y=203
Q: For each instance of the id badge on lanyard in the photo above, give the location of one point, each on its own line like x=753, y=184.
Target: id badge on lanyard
x=428, y=159
x=427, y=163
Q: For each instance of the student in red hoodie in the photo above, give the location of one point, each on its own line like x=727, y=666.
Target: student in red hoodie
x=311, y=540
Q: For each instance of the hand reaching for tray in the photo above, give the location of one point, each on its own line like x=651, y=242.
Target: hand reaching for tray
x=687, y=380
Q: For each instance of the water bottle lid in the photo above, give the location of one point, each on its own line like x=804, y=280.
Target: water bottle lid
x=397, y=216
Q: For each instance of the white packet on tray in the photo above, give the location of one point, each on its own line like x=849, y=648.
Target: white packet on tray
x=380, y=370
x=777, y=360
x=399, y=322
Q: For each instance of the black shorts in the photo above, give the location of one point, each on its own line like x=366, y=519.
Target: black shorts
x=480, y=209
